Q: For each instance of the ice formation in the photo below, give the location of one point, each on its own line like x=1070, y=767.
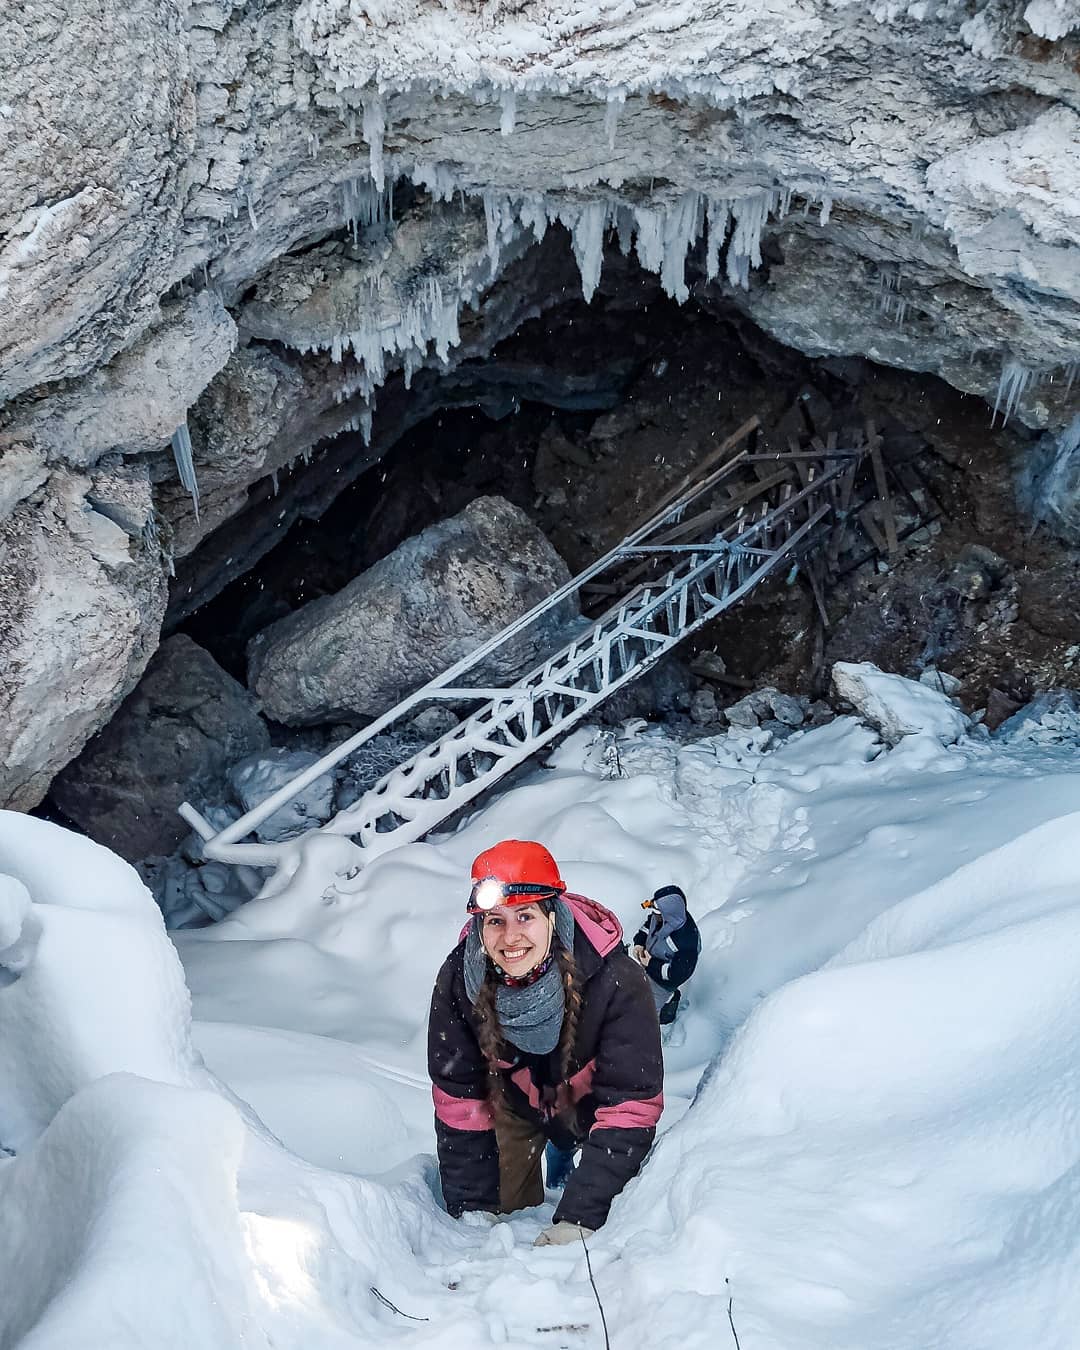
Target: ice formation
x=185, y=464
x=663, y=234
x=1057, y=480
x=1013, y=384
x=365, y=204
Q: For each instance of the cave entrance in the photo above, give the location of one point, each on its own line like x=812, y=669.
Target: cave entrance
x=581, y=419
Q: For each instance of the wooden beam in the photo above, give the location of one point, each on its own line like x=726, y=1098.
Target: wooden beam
x=873, y=440
x=869, y=524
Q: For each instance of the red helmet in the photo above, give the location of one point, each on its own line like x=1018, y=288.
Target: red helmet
x=513, y=872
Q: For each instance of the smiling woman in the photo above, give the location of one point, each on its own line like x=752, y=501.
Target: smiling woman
x=541, y=1028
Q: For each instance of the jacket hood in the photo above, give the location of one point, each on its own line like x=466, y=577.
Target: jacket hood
x=598, y=925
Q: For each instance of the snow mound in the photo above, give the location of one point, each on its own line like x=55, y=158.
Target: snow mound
x=897, y=707
x=121, y=1226
x=85, y=992
x=889, y=1155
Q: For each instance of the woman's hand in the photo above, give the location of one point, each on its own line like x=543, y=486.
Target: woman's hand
x=640, y=955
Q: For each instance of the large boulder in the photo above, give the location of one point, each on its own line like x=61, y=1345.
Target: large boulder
x=416, y=612
x=176, y=737
x=897, y=707
x=81, y=599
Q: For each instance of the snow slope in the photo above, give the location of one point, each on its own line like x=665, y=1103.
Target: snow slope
x=882, y=1154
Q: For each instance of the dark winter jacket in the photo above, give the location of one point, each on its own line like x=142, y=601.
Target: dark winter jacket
x=609, y=1105
x=674, y=970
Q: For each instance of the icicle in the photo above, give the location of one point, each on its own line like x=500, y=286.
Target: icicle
x=682, y=227
x=826, y=210
x=533, y=215
x=438, y=179
x=719, y=218
x=611, y=118
x=274, y=480
x=786, y=194
x=364, y=205
x=499, y=218
x=251, y=213
x=587, y=228
x=185, y=464
x=508, y=100
x=1013, y=382
x=365, y=422
x=374, y=134
x=650, y=237
x=744, y=251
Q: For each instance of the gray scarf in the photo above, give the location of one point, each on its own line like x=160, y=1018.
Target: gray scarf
x=667, y=918
x=530, y=1016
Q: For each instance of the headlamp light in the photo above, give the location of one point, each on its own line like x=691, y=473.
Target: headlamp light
x=487, y=894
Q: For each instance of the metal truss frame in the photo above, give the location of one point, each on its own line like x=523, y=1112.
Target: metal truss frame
x=762, y=514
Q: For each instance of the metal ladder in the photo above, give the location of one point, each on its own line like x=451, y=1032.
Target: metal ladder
x=674, y=573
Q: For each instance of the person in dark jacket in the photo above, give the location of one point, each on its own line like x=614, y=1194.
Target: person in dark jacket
x=541, y=1028
x=667, y=946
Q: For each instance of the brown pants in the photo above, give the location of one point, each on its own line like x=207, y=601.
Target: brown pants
x=521, y=1148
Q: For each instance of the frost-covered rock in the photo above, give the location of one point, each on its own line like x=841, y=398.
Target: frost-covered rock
x=1052, y=718
x=260, y=775
x=416, y=612
x=193, y=896
x=136, y=402
x=897, y=707
x=90, y=209
x=761, y=704
x=939, y=680
x=703, y=709
x=81, y=600
x=174, y=738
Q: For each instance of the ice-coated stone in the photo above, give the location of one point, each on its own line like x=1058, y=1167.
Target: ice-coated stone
x=258, y=776
x=416, y=612
x=1050, y=718
x=896, y=706
x=177, y=735
x=81, y=601
x=763, y=704
x=939, y=680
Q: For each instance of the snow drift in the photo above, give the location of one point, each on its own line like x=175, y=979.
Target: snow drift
x=882, y=1154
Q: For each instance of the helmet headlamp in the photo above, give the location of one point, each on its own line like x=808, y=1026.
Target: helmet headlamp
x=490, y=892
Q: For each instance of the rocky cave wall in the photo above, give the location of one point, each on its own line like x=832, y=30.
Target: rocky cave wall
x=231, y=234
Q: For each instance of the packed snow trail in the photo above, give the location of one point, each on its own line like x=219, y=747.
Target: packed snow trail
x=884, y=1157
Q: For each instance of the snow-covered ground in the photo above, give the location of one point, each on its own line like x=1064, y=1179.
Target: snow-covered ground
x=881, y=1047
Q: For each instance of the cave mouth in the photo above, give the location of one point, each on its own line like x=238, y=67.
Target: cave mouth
x=580, y=419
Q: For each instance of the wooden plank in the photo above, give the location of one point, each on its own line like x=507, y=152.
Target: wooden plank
x=869, y=524
x=882, y=486
x=811, y=570
x=800, y=457
x=783, y=456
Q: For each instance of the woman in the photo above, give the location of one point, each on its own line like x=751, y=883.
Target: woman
x=541, y=1028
